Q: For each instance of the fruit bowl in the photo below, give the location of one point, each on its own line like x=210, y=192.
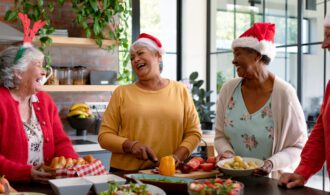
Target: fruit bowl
x=81, y=123
x=216, y=186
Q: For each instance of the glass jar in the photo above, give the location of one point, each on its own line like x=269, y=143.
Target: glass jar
x=55, y=78
x=79, y=75
x=66, y=76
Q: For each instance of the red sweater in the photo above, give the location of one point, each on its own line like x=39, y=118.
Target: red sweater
x=317, y=148
x=13, y=140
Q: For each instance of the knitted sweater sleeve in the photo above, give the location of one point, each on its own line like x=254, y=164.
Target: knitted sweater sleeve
x=313, y=154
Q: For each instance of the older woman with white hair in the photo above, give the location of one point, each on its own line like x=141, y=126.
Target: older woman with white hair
x=30, y=128
x=31, y=131
x=151, y=118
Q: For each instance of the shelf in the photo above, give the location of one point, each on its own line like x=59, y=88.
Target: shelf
x=79, y=88
x=76, y=41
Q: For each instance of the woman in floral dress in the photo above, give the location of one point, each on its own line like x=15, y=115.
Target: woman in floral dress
x=259, y=114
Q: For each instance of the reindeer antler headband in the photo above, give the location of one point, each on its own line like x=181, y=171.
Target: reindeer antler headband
x=29, y=34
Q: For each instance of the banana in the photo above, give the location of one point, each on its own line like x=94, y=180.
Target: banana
x=77, y=112
x=78, y=105
x=83, y=109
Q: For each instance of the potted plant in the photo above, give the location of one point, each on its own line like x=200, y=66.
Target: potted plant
x=36, y=10
x=202, y=102
x=106, y=19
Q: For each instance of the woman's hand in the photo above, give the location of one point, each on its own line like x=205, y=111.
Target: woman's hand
x=225, y=155
x=264, y=170
x=139, y=150
x=38, y=175
x=291, y=180
x=143, y=152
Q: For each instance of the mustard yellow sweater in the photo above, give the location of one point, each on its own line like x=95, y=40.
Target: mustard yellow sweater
x=163, y=119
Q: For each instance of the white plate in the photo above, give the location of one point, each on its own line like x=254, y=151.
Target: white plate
x=239, y=173
x=155, y=190
x=100, y=182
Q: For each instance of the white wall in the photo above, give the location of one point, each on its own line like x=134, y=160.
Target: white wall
x=194, y=38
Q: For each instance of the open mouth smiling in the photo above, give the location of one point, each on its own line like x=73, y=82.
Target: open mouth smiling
x=139, y=66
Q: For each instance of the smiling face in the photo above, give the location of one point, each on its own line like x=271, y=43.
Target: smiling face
x=145, y=62
x=246, y=61
x=30, y=79
x=326, y=40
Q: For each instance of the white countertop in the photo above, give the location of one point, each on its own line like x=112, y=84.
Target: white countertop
x=87, y=147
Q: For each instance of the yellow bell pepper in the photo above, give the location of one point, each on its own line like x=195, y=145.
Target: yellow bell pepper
x=167, y=166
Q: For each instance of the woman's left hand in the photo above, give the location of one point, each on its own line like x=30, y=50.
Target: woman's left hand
x=264, y=170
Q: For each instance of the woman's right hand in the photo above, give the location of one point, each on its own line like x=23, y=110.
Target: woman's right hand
x=143, y=152
x=225, y=155
x=139, y=150
x=39, y=175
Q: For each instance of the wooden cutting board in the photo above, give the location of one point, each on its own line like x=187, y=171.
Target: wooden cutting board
x=192, y=175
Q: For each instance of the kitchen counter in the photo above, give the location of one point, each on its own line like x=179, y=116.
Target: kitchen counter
x=252, y=186
x=92, y=146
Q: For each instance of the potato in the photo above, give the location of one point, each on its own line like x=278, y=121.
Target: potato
x=239, y=164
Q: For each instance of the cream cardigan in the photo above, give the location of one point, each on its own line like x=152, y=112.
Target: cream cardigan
x=290, y=130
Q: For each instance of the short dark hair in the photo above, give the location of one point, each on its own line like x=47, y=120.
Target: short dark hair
x=265, y=59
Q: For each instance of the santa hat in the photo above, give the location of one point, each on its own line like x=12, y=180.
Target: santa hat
x=149, y=40
x=326, y=22
x=259, y=37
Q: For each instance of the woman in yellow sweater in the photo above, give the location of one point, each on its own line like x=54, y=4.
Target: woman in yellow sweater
x=151, y=118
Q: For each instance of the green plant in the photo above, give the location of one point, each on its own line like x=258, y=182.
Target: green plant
x=107, y=19
x=220, y=80
x=99, y=18
x=36, y=10
x=201, y=99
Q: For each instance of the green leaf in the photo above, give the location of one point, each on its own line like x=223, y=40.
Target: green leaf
x=26, y=7
x=40, y=3
x=84, y=24
x=51, y=6
x=36, y=13
x=105, y=4
x=88, y=33
x=93, y=4
x=193, y=76
x=11, y=15
x=98, y=41
x=44, y=39
x=96, y=27
x=61, y=2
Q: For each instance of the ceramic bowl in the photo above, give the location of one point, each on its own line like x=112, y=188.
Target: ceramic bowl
x=239, y=172
x=70, y=186
x=100, y=182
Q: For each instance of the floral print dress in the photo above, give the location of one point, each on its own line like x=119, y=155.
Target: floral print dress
x=251, y=135
x=35, y=137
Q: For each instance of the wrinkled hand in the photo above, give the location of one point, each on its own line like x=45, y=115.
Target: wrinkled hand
x=39, y=175
x=143, y=152
x=264, y=170
x=291, y=180
x=225, y=155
